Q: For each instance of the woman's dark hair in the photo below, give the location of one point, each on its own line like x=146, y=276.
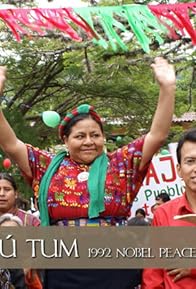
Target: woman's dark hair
x=163, y=196
x=77, y=118
x=140, y=211
x=9, y=178
x=189, y=135
x=136, y=221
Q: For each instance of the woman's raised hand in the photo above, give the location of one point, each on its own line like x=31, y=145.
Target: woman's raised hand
x=164, y=72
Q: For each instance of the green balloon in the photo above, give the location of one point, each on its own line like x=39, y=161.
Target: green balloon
x=51, y=118
x=164, y=152
x=119, y=138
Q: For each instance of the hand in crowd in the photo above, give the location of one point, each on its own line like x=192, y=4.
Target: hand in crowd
x=179, y=273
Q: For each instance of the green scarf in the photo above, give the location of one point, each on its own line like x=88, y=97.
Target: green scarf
x=96, y=186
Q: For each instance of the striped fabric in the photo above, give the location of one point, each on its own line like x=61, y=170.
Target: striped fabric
x=82, y=109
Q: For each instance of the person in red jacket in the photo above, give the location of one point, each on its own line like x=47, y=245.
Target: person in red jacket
x=177, y=278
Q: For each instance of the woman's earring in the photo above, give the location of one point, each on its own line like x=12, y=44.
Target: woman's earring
x=66, y=147
x=67, y=151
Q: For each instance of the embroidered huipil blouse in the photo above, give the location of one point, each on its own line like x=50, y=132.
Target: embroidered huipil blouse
x=68, y=195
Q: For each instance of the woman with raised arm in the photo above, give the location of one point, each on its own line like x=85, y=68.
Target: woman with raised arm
x=88, y=185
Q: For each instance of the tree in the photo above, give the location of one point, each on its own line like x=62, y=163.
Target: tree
x=54, y=73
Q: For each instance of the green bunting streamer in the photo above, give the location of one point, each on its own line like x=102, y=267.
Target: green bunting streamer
x=143, y=23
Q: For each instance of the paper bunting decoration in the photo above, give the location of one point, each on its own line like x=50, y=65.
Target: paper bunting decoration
x=139, y=18
x=22, y=21
x=147, y=23
x=179, y=16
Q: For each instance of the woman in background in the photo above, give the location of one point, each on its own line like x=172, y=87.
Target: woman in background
x=12, y=278
x=8, y=201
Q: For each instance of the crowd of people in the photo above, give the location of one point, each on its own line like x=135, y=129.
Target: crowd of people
x=84, y=183
x=10, y=216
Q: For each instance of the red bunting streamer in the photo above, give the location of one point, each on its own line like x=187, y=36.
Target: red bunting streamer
x=11, y=23
x=37, y=19
x=179, y=15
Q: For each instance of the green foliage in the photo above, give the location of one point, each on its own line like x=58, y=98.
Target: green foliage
x=175, y=133
x=114, y=2
x=21, y=127
x=186, y=87
x=53, y=73
x=23, y=188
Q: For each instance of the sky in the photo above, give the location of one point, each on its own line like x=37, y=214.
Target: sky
x=52, y=4
x=60, y=3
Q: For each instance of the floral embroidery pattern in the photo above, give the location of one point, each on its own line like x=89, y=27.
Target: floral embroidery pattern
x=70, y=183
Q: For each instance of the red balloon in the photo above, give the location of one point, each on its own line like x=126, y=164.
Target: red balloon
x=7, y=163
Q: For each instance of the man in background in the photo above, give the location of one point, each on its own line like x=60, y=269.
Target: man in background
x=164, y=216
